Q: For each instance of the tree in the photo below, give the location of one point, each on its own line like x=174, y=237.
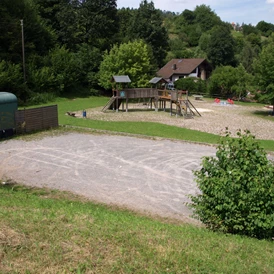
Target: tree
x=11, y=79
x=147, y=25
x=98, y=22
x=204, y=42
x=263, y=69
x=265, y=28
x=191, y=84
x=89, y=59
x=247, y=56
x=228, y=81
x=206, y=18
x=236, y=188
x=221, y=47
x=38, y=38
x=58, y=73
x=133, y=59
x=179, y=49
x=194, y=33
x=125, y=17
x=189, y=17
x=248, y=29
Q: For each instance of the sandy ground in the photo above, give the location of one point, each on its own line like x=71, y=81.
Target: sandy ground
x=148, y=176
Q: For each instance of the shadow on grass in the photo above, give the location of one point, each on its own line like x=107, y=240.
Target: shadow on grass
x=267, y=114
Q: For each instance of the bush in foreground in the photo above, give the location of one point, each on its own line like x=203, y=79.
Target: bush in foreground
x=237, y=188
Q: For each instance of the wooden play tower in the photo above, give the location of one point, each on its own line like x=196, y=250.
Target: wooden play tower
x=160, y=99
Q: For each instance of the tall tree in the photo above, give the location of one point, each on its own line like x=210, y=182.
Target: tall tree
x=263, y=68
x=247, y=56
x=206, y=18
x=99, y=22
x=38, y=38
x=133, y=59
x=265, y=28
x=125, y=17
x=148, y=25
x=221, y=47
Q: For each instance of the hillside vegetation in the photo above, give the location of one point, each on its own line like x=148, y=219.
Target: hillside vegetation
x=76, y=46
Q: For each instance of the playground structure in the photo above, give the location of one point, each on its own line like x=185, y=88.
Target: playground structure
x=156, y=98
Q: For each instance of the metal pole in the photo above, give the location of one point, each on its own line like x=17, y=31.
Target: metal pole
x=23, y=50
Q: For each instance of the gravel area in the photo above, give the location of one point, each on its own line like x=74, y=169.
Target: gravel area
x=153, y=177
x=215, y=118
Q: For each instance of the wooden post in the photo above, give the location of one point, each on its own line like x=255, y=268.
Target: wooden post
x=117, y=103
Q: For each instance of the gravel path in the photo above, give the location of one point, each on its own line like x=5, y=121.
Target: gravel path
x=215, y=117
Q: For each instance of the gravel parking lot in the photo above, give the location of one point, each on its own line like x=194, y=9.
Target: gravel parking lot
x=148, y=176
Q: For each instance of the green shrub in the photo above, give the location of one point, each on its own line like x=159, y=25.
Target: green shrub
x=41, y=98
x=236, y=188
x=192, y=84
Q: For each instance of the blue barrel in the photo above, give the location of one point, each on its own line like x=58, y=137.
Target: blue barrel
x=84, y=113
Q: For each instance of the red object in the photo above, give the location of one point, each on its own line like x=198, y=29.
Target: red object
x=217, y=100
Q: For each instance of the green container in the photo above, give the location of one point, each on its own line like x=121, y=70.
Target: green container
x=8, y=106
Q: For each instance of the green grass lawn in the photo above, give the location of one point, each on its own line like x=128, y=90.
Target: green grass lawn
x=43, y=231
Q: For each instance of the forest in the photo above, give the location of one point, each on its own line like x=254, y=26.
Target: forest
x=51, y=48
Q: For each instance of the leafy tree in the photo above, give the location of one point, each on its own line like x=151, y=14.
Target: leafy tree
x=206, y=18
x=263, y=69
x=148, y=25
x=125, y=18
x=236, y=188
x=189, y=17
x=11, y=79
x=68, y=26
x=191, y=84
x=229, y=82
x=38, y=38
x=179, y=49
x=88, y=59
x=221, y=47
x=59, y=72
x=194, y=33
x=133, y=59
x=254, y=39
x=99, y=22
x=248, y=29
x=204, y=41
x=247, y=56
x=265, y=28
x=48, y=9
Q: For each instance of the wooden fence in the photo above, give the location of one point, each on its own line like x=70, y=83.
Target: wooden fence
x=41, y=118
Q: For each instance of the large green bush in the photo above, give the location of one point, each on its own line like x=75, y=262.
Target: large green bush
x=236, y=188
x=192, y=85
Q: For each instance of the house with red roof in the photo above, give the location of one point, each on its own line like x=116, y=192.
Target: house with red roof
x=181, y=68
